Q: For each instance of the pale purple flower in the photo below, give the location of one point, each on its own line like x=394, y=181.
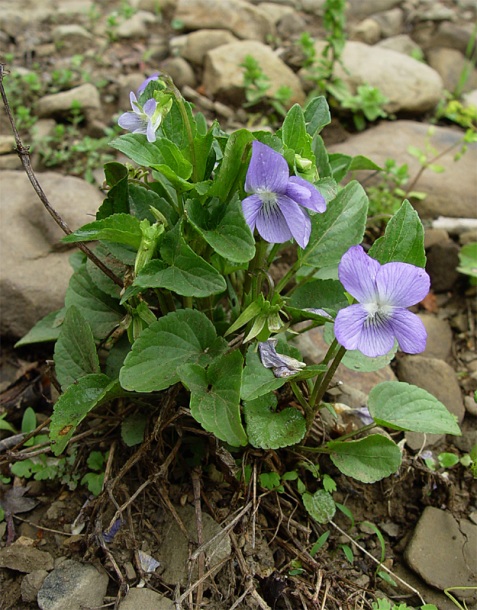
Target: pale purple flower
x=383, y=293
x=145, y=83
x=282, y=365
x=275, y=207
x=142, y=119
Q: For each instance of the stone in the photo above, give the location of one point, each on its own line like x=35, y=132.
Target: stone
x=72, y=39
x=450, y=64
x=22, y=558
x=470, y=98
x=275, y=12
x=59, y=105
x=470, y=405
x=423, y=373
x=291, y=26
x=7, y=144
x=437, y=530
x=453, y=36
x=439, y=337
x=367, y=31
x=391, y=22
x=13, y=22
x=442, y=263
x=34, y=275
x=145, y=599
x=451, y=193
x=223, y=76
x=241, y=18
x=198, y=44
x=314, y=7
x=365, y=8
x=72, y=586
x=174, y=553
x=410, y=85
x=128, y=83
x=31, y=584
x=155, y=6
x=136, y=26
x=180, y=71
x=437, y=11
x=434, y=236
x=402, y=44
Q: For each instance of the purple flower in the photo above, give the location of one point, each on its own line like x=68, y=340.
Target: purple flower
x=142, y=119
x=282, y=365
x=276, y=205
x=145, y=83
x=383, y=293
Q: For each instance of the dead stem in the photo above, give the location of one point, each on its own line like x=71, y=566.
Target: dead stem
x=200, y=534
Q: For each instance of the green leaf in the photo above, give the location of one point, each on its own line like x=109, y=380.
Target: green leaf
x=47, y=329
x=72, y=407
x=75, y=352
x=293, y=131
x=183, y=336
x=94, y=482
x=340, y=165
x=403, y=240
x=258, y=380
x=142, y=199
x=180, y=270
x=223, y=227
x=133, y=428
x=118, y=228
x=159, y=154
x=116, y=201
x=337, y=229
x=215, y=396
x=360, y=163
x=322, y=159
x=368, y=459
x=29, y=422
x=268, y=429
x=319, y=543
x=402, y=406
x=102, y=312
x=317, y=115
x=100, y=279
x=319, y=294
x=175, y=129
x=233, y=167
x=319, y=505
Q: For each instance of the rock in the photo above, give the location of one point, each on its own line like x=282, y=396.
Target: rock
x=59, y=105
x=442, y=263
x=423, y=373
x=470, y=405
x=434, y=236
x=450, y=63
x=439, y=337
x=136, y=26
x=410, y=85
x=276, y=13
x=314, y=7
x=198, y=44
x=290, y=26
x=174, y=550
x=24, y=558
x=128, y=83
x=145, y=599
x=367, y=31
x=402, y=44
x=72, y=39
x=436, y=12
x=7, y=144
x=13, y=22
x=153, y=6
x=10, y=162
x=180, y=71
x=451, y=193
x=364, y=8
x=470, y=98
x=73, y=586
x=453, y=36
x=390, y=22
x=241, y=18
x=223, y=76
x=31, y=584
x=33, y=276
x=456, y=567
x=73, y=10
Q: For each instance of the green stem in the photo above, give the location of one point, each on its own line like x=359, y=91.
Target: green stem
x=321, y=385
x=301, y=399
x=253, y=277
x=345, y=437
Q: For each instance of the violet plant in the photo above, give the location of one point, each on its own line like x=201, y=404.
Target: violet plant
x=189, y=231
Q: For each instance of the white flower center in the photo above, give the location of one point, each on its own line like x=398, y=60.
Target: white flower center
x=378, y=313
x=269, y=198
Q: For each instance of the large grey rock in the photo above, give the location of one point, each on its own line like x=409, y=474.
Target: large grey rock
x=198, y=44
x=401, y=44
x=34, y=275
x=223, y=76
x=145, y=599
x=442, y=551
x=410, y=85
x=450, y=63
x=243, y=19
x=31, y=584
x=452, y=193
x=73, y=586
x=59, y=105
x=391, y=22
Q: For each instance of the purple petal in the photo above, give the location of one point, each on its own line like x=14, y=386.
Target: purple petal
x=354, y=332
x=357, y=272
x=132, y=122
x=272, y=225
x=409, y=331
x=401, y=284
x=133, y=101
x=314, y=200
x=151, y=131
x=251, y=207
x=298, y=221
x=268, y=170
x=149, y=107
x=145, y=83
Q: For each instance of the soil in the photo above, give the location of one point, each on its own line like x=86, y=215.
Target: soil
x=271, y=564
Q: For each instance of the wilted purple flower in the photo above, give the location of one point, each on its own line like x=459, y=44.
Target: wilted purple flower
x=282, y=365
x=276, y=205
x=145, y=83
x=142, y=119
x=383, y=293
